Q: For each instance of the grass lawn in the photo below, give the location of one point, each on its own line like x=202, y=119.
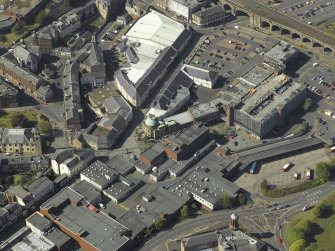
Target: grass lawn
x=15, y=37
x=98, y=22
x=34, y=118
x=330, y=28
x=326, y=226
x=277, y=193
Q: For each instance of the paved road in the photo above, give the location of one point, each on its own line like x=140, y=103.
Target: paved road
x=217, y=218
x=279, y=18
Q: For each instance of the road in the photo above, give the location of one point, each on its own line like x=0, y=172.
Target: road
x=221, y=218
x=279, y=18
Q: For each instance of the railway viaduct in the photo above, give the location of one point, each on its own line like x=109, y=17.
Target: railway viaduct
x=268, y=19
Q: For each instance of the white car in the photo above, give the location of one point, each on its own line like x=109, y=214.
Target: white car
x=102, y=205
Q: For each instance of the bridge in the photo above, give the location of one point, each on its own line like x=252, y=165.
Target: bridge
x=265, y=18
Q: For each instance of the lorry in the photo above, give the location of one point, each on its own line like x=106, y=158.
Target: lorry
x=308, y=174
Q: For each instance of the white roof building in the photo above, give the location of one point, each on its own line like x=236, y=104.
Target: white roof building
x=151, y=45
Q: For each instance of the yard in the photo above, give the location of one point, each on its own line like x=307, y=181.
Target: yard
x=322, y=230
x=13, y=37
x=32, y=118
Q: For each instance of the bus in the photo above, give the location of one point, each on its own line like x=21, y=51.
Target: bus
x=253, y=167
x=286, y=166
x=332, y=149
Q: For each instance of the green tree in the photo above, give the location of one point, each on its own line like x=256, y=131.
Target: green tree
x=18, y=29
x=320, y=210
x=18, y=119
x=241, y=199
x=298, y=245
x=33, y=208
x=264, y=185
x=185, y=212
x=25, y=213
x=307, y=104
x=322, y=171
x=312, y=247
x=227, y=202
x=159, y=224
x=19, y=179
x=3, y=38
x=148, y=232
x=41, y=18
x=295, y=234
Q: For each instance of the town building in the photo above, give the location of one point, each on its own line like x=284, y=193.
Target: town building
x=25, y=58
x=89, y=227
x=173, y=96
x=185, y=8
x=113, y=185
x=24, y=141
x=72, y=99
x=41, y=226
x=181, y=145
x=268, y=105
x=89, y=192
x=19, y=195
x=280, y=55
x=26, y=240
x=71, y=161
x=23, y=78
x=9, y=214
x=40, y=188
x=93, y=70
x=209, y=16
x=201, y=77
x=223, y=240
x=16, y=164
x=9, y=95
x=150, y=50
x=108, y=8
x=206, y=188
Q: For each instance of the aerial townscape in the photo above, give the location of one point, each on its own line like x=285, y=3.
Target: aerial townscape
x=167, y=125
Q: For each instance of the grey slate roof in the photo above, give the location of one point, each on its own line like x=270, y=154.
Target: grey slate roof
x=200, y=73
x=17, y=136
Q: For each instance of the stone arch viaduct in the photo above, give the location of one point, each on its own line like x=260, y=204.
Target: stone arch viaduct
x=275, y=22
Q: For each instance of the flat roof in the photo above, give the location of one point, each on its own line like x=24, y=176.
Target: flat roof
x=269, y=96
x=95, y=227
x=281, y=52
x=151, y=33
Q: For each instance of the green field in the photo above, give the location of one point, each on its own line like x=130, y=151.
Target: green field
x=32, y=118
x=323, y=228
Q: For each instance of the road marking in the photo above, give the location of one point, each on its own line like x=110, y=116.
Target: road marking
x=124, y=207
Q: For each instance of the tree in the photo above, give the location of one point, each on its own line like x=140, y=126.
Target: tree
x=159, y=224
x=18, y=29
x=241, y=199
x=295, y=234
x=185, y=212
x=264, y=185
x=322, y=171
x=312, y=247
x=320, y=210
x=307, y=104
x=298, y=245
x=19, y=179
x=148, y=232
x=17, y=120
x=3, y=38
x=25, y=213
x=33, y=208
x=226, y=201
x=41, y=18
